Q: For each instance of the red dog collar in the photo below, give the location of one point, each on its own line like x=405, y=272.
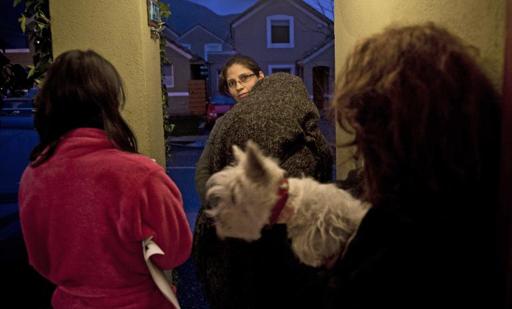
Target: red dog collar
x=282, y=194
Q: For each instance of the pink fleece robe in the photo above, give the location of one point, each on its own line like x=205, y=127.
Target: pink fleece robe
x=84, y=213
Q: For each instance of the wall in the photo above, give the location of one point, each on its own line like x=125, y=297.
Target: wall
x=181, y=70
x=481, y=23
x=119, y=31
x=323, y=59
x=178, y=95
x=198, y=37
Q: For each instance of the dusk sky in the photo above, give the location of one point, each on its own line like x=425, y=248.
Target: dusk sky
x=224, y=7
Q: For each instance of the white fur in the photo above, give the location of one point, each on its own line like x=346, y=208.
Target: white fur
x=323, y=217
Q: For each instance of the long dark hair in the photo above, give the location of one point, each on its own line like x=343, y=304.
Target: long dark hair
x=243, y=60
x=81, y=90
x=425, y=116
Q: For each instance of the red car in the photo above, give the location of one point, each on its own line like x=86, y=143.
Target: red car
x=218, y=106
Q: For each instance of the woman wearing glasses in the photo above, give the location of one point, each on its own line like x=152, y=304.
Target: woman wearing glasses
x=238, y=76
x=276, y=113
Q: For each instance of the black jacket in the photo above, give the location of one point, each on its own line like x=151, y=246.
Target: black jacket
x=417, y=260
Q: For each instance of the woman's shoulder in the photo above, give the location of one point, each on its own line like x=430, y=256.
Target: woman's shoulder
x=134, y=162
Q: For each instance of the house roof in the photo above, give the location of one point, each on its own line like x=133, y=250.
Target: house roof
x=185, y=52
x=203, y=29
x=300, y=4
x=170, y=34
x=316, y=51
x=185, y=15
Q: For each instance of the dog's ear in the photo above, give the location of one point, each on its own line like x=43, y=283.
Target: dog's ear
x=254, y=165
x=238, y=154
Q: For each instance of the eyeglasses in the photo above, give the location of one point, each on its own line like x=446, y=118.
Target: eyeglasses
x=242, y=78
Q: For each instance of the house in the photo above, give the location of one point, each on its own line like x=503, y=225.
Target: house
x=289, y=36
x=189, y=42
x=205, y=32
x=201, y=41
x=281, y=35
x=184, y=77
x=317, y=70
x=204, y=42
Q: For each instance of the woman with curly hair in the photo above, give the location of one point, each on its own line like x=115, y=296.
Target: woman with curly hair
x=426, y=121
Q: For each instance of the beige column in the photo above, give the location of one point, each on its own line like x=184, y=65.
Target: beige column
x=479, y=22
x=119, y=31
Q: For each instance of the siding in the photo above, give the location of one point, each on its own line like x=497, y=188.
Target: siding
x=250, y=36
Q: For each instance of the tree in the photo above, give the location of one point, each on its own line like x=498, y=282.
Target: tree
x=35, y=22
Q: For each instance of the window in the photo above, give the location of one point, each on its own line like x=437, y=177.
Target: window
x=287, y=68
x=209, y=47
x=153, y=13
x=168, y=75
x=280, y=31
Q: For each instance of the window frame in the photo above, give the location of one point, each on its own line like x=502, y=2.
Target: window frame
x=170, y=77
x=291, y=30
x=271, y=67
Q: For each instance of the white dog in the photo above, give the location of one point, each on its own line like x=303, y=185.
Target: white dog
x=320, y=218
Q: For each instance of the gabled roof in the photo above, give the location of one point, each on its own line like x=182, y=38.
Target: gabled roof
x=170, y=34
x=316, y=51
x=299, y=4
x=185, y=52
x=185, y=15
x=196, y=27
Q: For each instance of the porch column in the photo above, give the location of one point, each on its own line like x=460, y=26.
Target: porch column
x=480, y=23
x=119, y=31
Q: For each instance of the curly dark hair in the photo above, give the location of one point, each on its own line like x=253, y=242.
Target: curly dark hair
x=243, y=60
x=425, y=116
x=81, y=90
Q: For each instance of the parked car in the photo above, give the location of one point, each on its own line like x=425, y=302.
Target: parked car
x=218, y=106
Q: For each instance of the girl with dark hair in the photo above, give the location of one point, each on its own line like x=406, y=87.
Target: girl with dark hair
x=88, y=199
x=81, y=90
